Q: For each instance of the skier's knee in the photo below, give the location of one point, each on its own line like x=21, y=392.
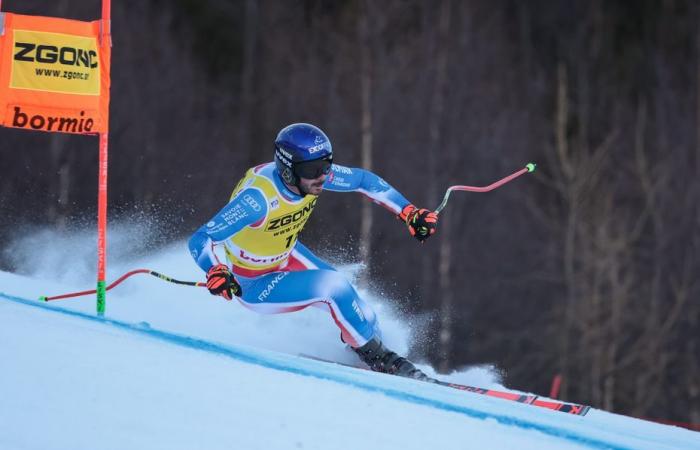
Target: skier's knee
x=338, y=287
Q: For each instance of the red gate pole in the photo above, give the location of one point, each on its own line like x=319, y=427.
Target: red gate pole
x=102, y=226
x=556, y=384
x=105, y=39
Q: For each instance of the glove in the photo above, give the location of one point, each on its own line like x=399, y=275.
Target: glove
x=422, y=223
x=221, y=282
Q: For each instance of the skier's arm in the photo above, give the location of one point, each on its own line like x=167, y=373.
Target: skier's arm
x=346, y=179
x=421, y=223
x=247, y=208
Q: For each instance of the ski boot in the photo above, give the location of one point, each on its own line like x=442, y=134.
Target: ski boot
x=381, y=359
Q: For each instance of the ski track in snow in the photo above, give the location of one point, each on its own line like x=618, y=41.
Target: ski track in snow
x=177, y=320
x=555, y=425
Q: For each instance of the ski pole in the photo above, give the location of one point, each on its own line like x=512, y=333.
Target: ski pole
x=122, y=278
x=530, y=167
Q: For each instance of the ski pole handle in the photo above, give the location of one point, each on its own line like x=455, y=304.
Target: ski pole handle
x=530, y=167
x=122, y=278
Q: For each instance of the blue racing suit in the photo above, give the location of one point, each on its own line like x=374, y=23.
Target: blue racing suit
x=258, y=231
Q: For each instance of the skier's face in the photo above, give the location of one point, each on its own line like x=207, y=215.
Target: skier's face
x=312, y=186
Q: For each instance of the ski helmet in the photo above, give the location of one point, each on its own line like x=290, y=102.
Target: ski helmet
x=302, y=151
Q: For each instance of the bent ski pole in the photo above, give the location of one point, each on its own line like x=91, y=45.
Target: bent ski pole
x=122, y=278
x=530, y=167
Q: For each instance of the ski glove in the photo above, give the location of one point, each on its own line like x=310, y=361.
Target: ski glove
x=221, y=282
x=422, y=223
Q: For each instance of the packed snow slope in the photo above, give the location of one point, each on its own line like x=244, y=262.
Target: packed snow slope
x=172, y=367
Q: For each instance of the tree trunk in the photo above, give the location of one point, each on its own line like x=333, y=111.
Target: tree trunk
x=246, y=112
x=569, y=244
x=436, y=119
x=61, y=180
x=364, y=35
x=693, y=377
x=447, y=310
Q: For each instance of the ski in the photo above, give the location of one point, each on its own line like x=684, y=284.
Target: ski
x=527, y=399
x=569, y=408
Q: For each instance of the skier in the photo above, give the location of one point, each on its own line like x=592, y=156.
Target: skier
x=270, y=271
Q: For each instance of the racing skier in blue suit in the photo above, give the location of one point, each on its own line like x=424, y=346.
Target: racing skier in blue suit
x=268, y=270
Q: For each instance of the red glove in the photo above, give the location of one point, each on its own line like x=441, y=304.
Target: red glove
x=221, y=282
x=422, y=223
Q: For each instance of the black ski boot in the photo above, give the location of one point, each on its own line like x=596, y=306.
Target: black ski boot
x=381, y=359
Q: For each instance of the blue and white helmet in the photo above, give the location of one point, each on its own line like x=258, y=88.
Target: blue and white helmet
x=302, y=151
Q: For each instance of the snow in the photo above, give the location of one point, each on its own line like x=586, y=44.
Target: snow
x=171, y=367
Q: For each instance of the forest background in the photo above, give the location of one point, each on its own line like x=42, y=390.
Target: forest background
x=587, y=269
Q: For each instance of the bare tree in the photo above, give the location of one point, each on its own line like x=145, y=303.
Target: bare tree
x=247, y=95
x=437, y=141
x=364, y=34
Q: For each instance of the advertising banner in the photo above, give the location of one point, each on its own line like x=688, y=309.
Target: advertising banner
x=54, y=74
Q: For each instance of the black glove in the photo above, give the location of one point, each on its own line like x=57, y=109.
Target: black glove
x=422, y=223
x=221, y=282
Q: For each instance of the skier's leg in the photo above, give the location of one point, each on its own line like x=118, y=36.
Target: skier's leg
x=280, y=292
x=381, y=359
x=310, y=281
x=304, y=259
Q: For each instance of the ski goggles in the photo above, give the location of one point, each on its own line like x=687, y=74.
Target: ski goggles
x=313, y=169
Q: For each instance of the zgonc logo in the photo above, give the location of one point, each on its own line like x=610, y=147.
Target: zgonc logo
x=50, y=54
x=55, y=62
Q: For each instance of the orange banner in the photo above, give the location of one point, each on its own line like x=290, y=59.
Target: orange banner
x=54, y=74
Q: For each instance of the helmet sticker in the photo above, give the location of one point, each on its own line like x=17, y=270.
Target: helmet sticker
x=318, y=148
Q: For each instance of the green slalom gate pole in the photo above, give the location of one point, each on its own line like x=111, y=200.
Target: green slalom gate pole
x=101, y=297
x=106, y=51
